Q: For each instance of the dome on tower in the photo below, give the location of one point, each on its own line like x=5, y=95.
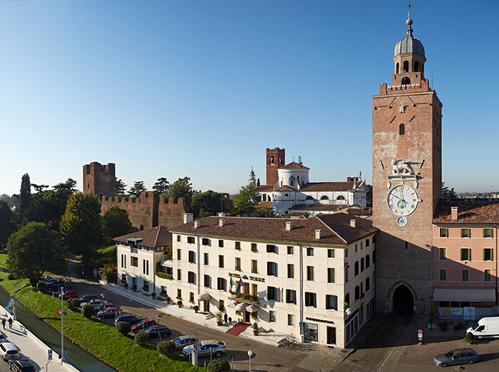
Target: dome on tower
x=409, y=44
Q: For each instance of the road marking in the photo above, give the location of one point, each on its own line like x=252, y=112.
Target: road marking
x=387, y=357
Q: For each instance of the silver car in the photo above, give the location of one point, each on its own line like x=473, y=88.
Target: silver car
x=206, y=348
x=183, y=341
x=455, y=357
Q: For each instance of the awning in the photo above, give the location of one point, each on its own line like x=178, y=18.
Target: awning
x=241, y=307
x=465, y=294
x=204, y=296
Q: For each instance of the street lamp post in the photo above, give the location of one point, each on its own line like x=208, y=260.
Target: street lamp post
x=250, y=354
x=157, y=321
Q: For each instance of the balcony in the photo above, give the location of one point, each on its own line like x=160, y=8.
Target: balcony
x=164, y=275
x=244, y=297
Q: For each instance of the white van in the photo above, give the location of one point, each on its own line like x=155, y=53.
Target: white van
x=486, y=327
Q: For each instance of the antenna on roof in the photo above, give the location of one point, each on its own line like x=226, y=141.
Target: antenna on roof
x=299, y=160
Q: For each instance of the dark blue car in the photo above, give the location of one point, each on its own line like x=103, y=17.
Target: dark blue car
x=156, y=331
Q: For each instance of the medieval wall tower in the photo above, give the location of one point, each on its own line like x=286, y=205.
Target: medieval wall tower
x=99, y=179
x=275, y=158
x=407, y=180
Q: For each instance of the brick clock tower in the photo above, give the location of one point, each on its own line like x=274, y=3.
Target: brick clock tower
x=407, y=180
x=275, y=158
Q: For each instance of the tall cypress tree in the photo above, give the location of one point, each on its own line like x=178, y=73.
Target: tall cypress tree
x=24, y=196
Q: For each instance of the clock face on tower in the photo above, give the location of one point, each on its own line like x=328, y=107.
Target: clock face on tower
x=402, y=200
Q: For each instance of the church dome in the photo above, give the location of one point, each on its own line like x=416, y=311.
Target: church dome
x=409, y=44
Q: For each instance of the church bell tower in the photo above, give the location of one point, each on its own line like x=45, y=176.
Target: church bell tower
x=407, y=180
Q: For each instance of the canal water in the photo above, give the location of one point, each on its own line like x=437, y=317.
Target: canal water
x=73, y=354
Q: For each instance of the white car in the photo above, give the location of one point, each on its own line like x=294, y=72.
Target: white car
x=8, y=351
x=206, y=348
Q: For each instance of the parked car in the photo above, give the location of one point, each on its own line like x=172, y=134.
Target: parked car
x=485, y=328
x=3, y=337
x=21, y=365
x=206, y=348
x=8, y=351
x=455, y=357
x=158, y=331
x=50, y=286
x=68, y=293
x=89, y=297
x=146, y=323
x=97, y=304
x=183, y=341
x=108, y=313
x=128, y=318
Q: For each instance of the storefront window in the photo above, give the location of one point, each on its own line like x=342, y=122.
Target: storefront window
x=311, y=332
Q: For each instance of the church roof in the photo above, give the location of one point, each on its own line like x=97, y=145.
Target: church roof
x=409, y=44
x=294, y=165
x=328, y=186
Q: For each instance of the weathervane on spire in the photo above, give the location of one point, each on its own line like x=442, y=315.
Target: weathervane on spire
x=408, y=22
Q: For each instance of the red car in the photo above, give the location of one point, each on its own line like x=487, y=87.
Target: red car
x=69, y=294
x=146, y=323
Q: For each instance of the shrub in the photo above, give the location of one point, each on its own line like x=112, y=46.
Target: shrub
x=74, y=304
x=443, y=326
x=166, y=347
x=459, y=325
x=141, y=338
x=11, y=276
x=87, y=311
x=123, y=327
x=219, y=365
x=470, y=338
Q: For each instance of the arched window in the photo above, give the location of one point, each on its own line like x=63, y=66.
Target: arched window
x=291, y=181
x=406, y=81
x=406, y=66
x=269, y=198
x=309, y=198
x=397, y=68
x=416, y=66
x=324, y=197
x=264, y=197
x=271, y=161
x=401, y=129
x=340, y=197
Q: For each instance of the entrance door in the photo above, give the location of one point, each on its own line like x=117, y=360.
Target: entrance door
x=403, y=302
x=206, y=306
x=331, y=335
x=247, y=317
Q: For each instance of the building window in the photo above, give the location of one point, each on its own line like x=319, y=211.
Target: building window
x=406, y=80
x=206, y=241
x=368, y=284
x=145, y=267
x=310, y=273
x=179, y=294
x=324, y=197
x=220, y=261
x=330, y=253
x=290, y=249
x=401, y=129
x=367, y=242
x=465, y=275
x=291, y=271
x=179, y=238
x=362, y=264
x=346, y=274
x=220, y=243
x=444, y=232
x=272, y=293
x=272, y=248
x=368, y=261
x=191, y=239
x=238, y=246
x=465, y=254
x=134, y=261
x=271, y=316
x=123, y=261
x=191, y=297
x=254, y=267
x=191, y=277
x=253, y=247
x=207, y=281
x=488, y=254
x=290, y=296
x=291, y=319
x=179, y=274
x=465, y=233
x=488, y=233
x=238, y=264
x=442, y=253
x=347, y=300
x=310, y=251
x=179, y=254
x=487, y=275
x=331, y=302
x=192, y=257
x=271, y=268
x=310, y=299
x=221, y=284
x=443, y=275
x=356, y=268
x=330, y=275
x=206, y=259
x=346, y=252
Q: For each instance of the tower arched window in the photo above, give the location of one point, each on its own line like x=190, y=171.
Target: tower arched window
x=324, y=197
x=406, y=66
x=271, y=161
x=397, y=68
x=416, y=66
x=291, y=181
x=406, y=81
x=340, y=197
x=309, y=198
x=401, y=129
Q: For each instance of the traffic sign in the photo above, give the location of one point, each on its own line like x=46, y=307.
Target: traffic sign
x=50, y=354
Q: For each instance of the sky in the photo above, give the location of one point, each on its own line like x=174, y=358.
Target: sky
x=201, y=88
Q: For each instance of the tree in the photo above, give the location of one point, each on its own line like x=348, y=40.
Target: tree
x=246, y=201
x=81, y=227
x=161, y=186
x=32, y=250
x=219, y=365
x=123, y=327
x=5, y=222
x=119, y=187
x=181, y=188
x=137, y=188
x=141, y=338
x=208, y=203
x=24, y=196
x=448, y=193
x=115, y=223
x=166, y=347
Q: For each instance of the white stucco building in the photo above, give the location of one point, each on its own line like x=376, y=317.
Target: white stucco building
x=312, y=278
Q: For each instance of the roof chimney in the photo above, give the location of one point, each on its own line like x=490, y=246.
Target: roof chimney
x=317, y=234
x=352, y=222
x=288, y=225
x=221, y=222
x=453, y=213
x=196, y=224
x=188, y=217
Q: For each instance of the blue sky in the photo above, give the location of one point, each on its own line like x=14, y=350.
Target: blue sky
x=201, y=88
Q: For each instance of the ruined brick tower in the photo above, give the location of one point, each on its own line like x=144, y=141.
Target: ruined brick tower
x=407, y=179
x=99, y=179
x=276, y=158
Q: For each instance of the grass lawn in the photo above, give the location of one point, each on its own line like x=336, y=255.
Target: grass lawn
x=99, y=339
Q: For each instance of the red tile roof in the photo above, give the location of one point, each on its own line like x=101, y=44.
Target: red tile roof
x=293, y=165
x=156, y=237
x=328, y=186
x=469, y=211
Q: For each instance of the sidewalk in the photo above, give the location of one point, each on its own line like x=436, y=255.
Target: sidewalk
x=32, y=347
x=190, y=315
